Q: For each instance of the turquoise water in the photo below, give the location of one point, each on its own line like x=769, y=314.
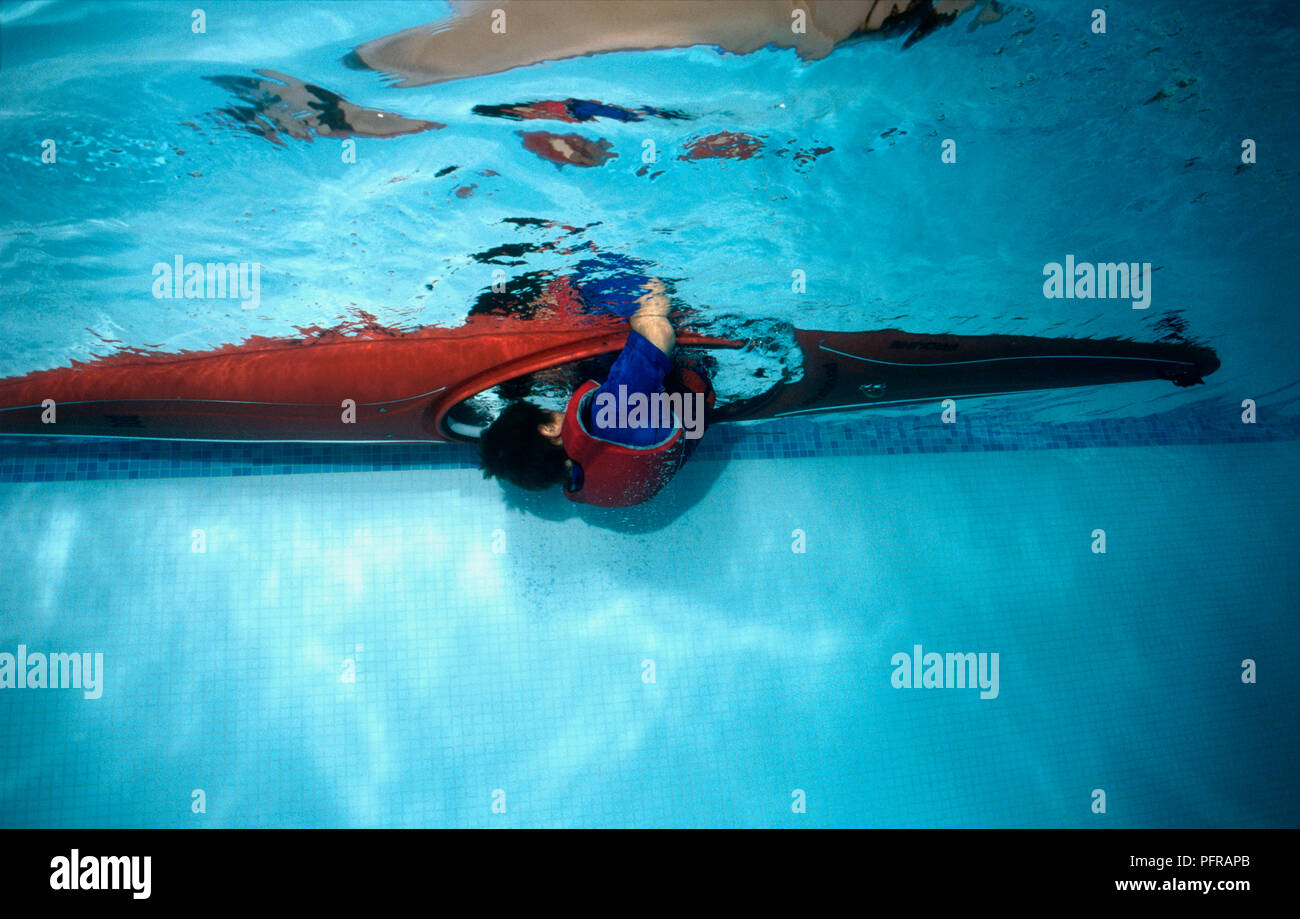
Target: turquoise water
x=399, y=647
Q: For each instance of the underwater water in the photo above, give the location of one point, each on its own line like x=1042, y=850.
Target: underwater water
x=362, y=637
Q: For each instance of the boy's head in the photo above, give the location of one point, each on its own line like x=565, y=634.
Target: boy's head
x=524, y=447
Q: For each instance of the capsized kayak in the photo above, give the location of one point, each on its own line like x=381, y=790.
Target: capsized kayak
x=431, y=384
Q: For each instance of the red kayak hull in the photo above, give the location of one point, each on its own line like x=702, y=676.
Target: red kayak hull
x=403, y=384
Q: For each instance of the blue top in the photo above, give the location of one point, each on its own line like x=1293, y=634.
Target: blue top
x=641, y=367
x=611, y=284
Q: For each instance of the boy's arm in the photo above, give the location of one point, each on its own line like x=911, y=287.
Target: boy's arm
x=651, y=318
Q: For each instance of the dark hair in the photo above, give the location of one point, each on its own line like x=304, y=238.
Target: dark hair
x=513, y=449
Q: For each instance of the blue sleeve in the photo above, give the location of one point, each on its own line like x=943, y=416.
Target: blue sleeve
x=641, y=367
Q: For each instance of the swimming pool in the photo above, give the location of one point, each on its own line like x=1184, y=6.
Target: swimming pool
x=371, y=635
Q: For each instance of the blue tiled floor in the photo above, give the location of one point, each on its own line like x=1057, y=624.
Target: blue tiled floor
x=365, y=650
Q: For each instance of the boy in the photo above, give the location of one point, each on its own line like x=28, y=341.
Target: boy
x=598, y=450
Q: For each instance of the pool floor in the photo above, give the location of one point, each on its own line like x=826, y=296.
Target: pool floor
x=402, y=649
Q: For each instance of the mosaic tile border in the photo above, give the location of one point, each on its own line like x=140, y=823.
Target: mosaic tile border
x=90, y=459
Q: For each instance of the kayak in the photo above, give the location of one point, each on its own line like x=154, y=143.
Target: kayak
x=429, y=385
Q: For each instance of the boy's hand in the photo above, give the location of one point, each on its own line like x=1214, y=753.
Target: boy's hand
x=653, y=303
x=651, y=317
